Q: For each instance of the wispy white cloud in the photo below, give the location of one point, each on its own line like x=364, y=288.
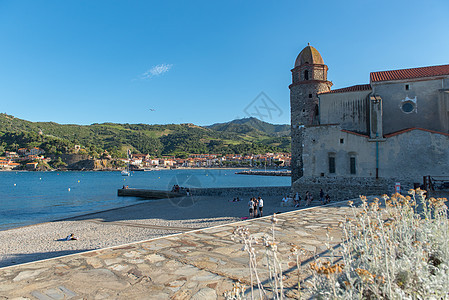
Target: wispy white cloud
x=156, y=71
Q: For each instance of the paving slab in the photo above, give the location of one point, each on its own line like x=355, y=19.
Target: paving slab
x=201, y=264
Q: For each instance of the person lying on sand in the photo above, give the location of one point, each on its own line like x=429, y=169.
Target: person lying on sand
x=71, y=237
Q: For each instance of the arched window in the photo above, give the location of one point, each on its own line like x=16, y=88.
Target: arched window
x=331, y=160
x=306, y=75
x=352, y=163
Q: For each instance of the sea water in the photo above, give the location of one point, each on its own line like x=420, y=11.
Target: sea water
x=34, y=197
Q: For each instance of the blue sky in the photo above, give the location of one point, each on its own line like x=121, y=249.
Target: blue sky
x=198, y=62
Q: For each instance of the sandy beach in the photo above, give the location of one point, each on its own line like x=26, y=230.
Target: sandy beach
x=144, y=221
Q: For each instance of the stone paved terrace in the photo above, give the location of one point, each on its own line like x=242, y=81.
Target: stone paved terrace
x=200, y=264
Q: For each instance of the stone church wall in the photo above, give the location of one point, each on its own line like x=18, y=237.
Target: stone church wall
x=321, y=142
x=423, y=95
x=415, y=154
x=406, y=156
x=350, y=110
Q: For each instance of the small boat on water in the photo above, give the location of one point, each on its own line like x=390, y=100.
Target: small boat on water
x=126, y=171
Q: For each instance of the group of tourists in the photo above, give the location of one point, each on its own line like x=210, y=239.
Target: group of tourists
x=255, y=207
x=324, y=198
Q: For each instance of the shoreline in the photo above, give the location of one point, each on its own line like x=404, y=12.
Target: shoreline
x=76, y=216
x=123, y=225
x=202, y=192
x=157, y=169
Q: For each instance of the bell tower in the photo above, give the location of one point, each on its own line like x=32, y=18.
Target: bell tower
x=309, y=77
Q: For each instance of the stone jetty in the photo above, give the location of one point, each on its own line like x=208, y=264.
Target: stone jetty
x=266, y=173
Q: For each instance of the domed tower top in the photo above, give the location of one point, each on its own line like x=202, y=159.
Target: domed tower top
x=309, y=66
x=309, y=55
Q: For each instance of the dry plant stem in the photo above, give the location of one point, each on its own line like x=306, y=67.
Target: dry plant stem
x=298, y=263
x=259, y=284
x=277, y=269
x=274, y=263
x=250, y=268
x=253, y=269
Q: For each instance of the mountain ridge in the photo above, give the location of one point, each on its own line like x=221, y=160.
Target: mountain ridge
x=170, y=139
x=254, y=123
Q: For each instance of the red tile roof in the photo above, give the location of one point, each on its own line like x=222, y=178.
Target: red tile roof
x=413, y=128
x=355, y=133
x=409, y=73
x=354, y=88
x=397, y=132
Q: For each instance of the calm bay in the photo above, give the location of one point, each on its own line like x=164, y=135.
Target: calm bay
x=34, y=197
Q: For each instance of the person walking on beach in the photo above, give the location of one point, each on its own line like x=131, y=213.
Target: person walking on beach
x=322, y=196
x=297, y=199
x=251, y=207
x=308, y=198
x=260, y=206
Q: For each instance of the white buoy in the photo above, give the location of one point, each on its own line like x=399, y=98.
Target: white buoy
x=14, y=184
x=69, y=189
x=40, y=178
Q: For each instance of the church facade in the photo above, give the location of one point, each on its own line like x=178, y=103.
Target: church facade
x=396, y=128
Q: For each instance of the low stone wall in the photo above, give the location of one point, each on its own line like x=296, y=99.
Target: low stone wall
x=337, y=188
x=347, y=188
x=242, y=191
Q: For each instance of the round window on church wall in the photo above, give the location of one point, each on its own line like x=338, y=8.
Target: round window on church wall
x=407, y=107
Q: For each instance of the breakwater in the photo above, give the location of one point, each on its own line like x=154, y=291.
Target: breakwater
x=214, y=192
x=266, y=173
x=149, y=194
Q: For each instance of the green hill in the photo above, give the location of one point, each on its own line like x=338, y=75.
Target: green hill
x=171, y=139
x=252, y=126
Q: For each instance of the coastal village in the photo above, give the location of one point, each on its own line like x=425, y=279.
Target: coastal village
x=35, y=159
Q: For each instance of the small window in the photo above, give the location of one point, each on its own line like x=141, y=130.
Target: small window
x=342, y=141
x=407, y=87
x=352, y=165
x=303, y=110
x=332, y=164
x=306, y=75
x=310, y=95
